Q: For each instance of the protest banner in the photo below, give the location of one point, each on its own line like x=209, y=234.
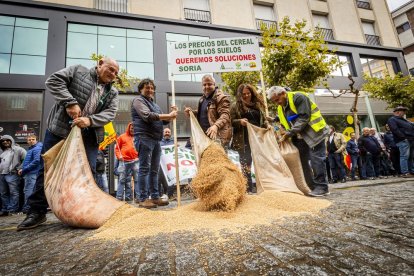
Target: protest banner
x=215, y=55
x=187, y=165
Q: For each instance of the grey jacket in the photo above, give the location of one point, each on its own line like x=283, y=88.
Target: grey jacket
x=300, y=125
x=18, y=156
x=73, y=85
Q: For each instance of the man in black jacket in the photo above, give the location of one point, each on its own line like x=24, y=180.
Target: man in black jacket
x=403, y=131
x=85, y=98
x=370, y=151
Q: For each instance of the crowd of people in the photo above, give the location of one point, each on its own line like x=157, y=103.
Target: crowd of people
x=87, y=98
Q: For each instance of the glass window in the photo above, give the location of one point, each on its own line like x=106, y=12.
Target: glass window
x=368, y=28
x=404, y=27
x=376, y=67
x=197, y=5
x=112, y=46
x=30, y=65
x=133, y=49
x=123, y=115
x=345, y=69
x=37, y=38
x=173, y=38
x=4, y=63
x=19, y=114
x=81, y=45
x=264, y=12
x=23, y=45
x=183, y=123
x=6, y=34
x=321, y=21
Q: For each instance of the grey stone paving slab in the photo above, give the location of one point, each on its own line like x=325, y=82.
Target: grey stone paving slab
x=368, y=230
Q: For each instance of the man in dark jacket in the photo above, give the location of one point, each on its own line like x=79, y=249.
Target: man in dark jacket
x=31, y=166
x=370, y=151
x=392, y=150
x=85, y=98
x=403, y=132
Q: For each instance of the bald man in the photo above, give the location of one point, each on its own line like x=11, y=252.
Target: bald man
x=86, y=98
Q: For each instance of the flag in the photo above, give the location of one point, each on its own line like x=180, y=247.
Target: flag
x=109, y=136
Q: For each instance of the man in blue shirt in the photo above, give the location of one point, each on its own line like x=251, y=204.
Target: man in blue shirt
x=353, y=151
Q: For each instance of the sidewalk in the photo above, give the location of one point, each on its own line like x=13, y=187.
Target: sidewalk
x=367, y=230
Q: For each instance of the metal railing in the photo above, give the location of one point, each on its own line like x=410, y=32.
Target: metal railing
x=267, y=23
x=373, y=40
x=112, y=5
x=197, y=15
x=363, y=4
x=327, y=34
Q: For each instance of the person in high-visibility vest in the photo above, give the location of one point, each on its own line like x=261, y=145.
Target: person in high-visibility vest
x=304, y=124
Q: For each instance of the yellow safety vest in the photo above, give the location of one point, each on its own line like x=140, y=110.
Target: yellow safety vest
x=316, y=122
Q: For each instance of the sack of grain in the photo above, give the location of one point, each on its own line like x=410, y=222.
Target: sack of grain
x=272, y=172
x=290, y=154
x=70, y=188
x=219, y=184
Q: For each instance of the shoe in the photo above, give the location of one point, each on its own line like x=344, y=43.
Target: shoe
x=32, y=220
x=4, y=214
x=343, y=180
x=318, y=192
x=160, y=202
x=372, y=178
x=407, y=175
x=128, y=199
x=353, y=179
x=148, y=204
x=335, y=181
x=164, y=197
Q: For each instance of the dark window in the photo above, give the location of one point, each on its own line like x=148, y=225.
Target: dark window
x=363, y=4
x=404, y=27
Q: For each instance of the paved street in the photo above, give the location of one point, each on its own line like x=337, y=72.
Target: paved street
x=368, y=230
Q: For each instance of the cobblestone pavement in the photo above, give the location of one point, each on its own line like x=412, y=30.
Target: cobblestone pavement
x=368, y=230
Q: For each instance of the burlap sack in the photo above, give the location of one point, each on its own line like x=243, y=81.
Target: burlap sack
x=70, y=188
x=200, y=139
x=290, y=154
x=272, y=172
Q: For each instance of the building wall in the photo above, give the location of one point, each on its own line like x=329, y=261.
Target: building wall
x=77, y=3
x=159, y=8
x=346, y=25
x=234, y=13
x=294, y=9
x=384, y=24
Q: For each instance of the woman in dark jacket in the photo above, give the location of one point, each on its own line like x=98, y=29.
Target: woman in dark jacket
x=248, y=108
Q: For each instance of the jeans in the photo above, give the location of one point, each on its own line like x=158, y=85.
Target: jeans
x=9, y=191
x=370, y=165
x=246, y=165
x=102, y=182
x=336, y=163
x=354, y=162
x=37, y=201
x=124, y=183
x=406, y=156
x=315, y=177
x=149, y=165
x=29, y=185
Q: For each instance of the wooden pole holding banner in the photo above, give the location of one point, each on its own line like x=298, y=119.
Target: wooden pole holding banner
x=264, y=94
x=177, y=171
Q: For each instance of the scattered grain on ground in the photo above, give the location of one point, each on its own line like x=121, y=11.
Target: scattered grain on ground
x=129, y=222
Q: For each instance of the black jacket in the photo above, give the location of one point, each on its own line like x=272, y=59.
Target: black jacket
x=401, y=128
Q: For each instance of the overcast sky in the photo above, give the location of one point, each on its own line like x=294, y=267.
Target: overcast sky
x=393, y=4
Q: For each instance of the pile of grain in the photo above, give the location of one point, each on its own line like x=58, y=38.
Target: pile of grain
x=219, y=184
x=129, y=222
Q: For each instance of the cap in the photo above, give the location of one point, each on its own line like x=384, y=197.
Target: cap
x=400, y=108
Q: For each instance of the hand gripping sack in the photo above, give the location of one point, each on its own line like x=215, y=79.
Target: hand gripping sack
x=272, y=172
x=290, y=154
x=70, y=188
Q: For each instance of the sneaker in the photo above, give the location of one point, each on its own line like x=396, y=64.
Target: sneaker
x=343, y=180
x=318, y=192
x=160, y=202
x=148, y=204
x=372, y=178
x=407, y=175
x=15, y=213
x=4, y=214
x=32, y=220
x=164, y=197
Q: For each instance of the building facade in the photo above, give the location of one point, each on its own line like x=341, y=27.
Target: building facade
x=41, y=37
x=403, y=18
